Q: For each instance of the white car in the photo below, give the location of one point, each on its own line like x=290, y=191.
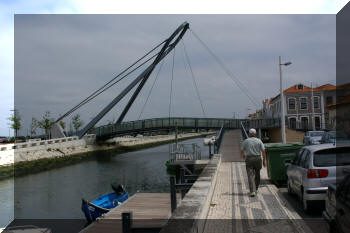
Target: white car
x=314, y=169
x=313, y=137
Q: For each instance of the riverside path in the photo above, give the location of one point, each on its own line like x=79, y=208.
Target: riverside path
x=231, y=208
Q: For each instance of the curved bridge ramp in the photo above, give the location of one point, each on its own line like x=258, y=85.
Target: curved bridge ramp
x=230, y=146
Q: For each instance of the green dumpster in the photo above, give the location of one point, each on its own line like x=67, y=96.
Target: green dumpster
x=276, y=154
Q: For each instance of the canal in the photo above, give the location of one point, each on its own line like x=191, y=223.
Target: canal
x=57, y=193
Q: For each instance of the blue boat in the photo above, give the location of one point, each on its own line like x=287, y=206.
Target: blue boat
x=104, y=204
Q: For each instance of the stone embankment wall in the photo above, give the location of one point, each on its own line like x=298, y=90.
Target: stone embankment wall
x=36, y=150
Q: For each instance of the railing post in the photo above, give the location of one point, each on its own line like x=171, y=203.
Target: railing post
x=126, y=222
x=172, y=193
x=210, y=155
x=182, y=180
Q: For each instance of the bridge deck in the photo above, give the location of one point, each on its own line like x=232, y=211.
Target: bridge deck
x=230, y=146
x=231, y=208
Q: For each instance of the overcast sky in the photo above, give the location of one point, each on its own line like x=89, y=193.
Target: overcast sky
x=60, y=59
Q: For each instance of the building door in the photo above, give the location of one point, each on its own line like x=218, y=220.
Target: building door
x=292, y=123
x=317, y=123
x=304, y=123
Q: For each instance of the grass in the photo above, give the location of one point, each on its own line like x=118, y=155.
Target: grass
x=29, y=167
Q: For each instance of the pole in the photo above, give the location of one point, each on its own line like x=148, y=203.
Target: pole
x=176, y=132
x=283, y=123
x=172, y=193
x=312, y=106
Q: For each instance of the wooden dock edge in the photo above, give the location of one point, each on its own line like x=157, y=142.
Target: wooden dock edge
x=193, y=209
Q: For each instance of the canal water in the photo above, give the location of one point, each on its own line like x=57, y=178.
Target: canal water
x=57, y=193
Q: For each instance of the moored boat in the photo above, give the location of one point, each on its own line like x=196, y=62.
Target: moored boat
x=103, y=204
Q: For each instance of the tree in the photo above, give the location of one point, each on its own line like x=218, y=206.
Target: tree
x=15, y=122
x=77, y=122
x=46, y=123
x=33, y=126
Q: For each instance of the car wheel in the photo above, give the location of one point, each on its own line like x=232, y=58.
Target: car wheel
x=306, y=203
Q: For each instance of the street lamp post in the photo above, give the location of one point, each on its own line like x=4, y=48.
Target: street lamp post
x=283, y=121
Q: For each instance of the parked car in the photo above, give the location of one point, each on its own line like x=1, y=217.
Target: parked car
x=4, y=140
x=337, y=211
x=314, y=169
x=334, y=136
x=313, y=137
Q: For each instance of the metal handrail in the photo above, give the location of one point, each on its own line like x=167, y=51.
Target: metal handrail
x=182, y=152
x=245, y=132
x=165, y=123
x=218, y=139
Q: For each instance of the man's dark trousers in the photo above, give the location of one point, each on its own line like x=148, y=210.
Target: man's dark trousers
x=253, y=165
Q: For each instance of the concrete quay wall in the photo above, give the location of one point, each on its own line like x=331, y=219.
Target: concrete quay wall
x=190, y=214
x=35, y=150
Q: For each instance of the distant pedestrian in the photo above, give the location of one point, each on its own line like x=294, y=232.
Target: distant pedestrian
x=251, y=150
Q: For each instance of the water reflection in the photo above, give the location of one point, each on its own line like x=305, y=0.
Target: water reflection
x=57, y=193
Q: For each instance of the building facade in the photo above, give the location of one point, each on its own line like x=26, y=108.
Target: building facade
x=305, y=107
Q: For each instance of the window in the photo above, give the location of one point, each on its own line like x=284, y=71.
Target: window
x=329, y=100
x=292, y=123
x=306, y=162
x=316, y=102
x=297, y=160
x=291, y=104
x=304, y=122
x=303, y=157
x=318, y=123
x=332, y=157
x=303, y=103
x=315, y=133
x=300, y=87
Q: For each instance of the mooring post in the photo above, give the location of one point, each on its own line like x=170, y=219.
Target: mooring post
x=215, y=147
x=172, y=193
x=209, y=150
x=126, y=222
x=182, y=180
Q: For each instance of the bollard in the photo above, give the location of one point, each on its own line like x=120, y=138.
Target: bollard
x=126, y=222
x=210, y=154
x=182, y=180
x=172, y=193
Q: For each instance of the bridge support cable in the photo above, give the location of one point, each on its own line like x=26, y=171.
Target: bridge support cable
x=141, y=79
x=193, y=78
x=150, y=91
x=171, y=84
x=165, y=50
x=228, y=72
x=112, y=82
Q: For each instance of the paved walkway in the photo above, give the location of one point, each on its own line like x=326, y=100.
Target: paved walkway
x=231, y=208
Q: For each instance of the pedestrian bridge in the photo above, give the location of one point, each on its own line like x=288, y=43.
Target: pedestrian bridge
x=169, y=124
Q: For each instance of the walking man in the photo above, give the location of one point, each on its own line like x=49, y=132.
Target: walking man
x=251, y=150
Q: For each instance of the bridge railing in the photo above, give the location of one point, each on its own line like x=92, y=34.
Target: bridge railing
x=219, y=139
x=194, y=123
x=187, y=152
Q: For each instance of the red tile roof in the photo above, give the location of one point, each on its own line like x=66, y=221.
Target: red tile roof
x=293, y=89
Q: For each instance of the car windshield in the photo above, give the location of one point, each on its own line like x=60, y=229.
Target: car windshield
x=332, y=157
x=316, y=134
